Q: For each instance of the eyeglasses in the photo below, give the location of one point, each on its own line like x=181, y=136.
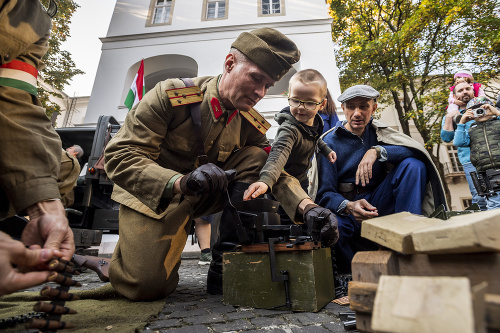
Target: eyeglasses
x=309, y=105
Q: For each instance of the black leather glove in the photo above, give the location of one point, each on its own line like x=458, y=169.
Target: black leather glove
x=206, y=179
x=323, y=221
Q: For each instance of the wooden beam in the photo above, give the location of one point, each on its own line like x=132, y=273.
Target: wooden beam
x=428, y=304
x=477, y=232
x=362, y=296
x=478, y=267
x=368, y=266
x=395, y=231
x=492, y=311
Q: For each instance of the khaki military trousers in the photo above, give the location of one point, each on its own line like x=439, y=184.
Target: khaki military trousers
x=147, y=257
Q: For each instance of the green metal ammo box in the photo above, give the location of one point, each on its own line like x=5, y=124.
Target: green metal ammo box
x=247, y=279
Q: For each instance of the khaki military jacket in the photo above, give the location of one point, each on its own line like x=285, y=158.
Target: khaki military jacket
x=434, y=194
x=157, y=143
x=68, y=175
x=30, y=149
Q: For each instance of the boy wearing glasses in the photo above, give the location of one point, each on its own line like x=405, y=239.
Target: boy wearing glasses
x=298, y=136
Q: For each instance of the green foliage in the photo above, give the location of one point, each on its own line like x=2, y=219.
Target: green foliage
x=59, y=67
x=409, y=51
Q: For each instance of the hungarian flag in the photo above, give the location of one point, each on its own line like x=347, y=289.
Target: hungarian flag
x=137, y=90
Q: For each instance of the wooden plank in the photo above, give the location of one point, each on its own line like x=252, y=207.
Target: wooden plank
x=492, y=308
x=362, y=296
x=368, y=266
x=407, y=304
x=395, y=231
x=363, y=322
x=477, y=232
x=492, y=303
x=478, y=267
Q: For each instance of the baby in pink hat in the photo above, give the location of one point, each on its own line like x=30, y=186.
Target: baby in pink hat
x=463, y=75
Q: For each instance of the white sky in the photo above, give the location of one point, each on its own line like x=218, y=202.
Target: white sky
x=89, y=22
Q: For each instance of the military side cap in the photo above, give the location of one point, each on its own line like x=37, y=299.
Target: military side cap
x=269, y=49
x=477, y=102
x=360, y=90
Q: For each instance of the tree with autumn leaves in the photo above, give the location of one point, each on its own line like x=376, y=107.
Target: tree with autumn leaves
x=59, y=67
x=409, y=51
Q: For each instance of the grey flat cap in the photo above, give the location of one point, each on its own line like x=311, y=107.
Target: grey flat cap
x=359, y=90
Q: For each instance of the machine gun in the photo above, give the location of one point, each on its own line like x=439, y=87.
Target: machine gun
x=277, y=265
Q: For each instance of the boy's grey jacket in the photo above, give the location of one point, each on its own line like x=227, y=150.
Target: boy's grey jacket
x=292, y=149
x=434, y=195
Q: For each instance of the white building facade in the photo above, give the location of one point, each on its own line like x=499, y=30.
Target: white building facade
x=188, y=38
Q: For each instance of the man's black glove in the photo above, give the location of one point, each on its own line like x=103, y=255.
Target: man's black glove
x=206, y=179
x=323, y=221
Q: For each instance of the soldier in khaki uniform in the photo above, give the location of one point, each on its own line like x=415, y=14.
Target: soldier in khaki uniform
x=160, y=181
x=30, y=149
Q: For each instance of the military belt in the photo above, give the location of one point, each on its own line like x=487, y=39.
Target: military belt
x=351, y=190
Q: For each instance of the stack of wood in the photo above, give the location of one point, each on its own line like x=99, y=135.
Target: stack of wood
x=441, y=276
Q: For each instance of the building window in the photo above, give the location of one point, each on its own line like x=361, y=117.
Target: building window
x=214, y=10
x=454, y=165
x=160, y=12
x=271, y=7
x=466, y=202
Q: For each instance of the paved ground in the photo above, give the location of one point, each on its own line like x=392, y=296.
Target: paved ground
x=191, y=309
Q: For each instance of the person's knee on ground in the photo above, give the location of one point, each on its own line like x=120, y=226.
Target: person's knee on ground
x=143, y=287
x=146, y=259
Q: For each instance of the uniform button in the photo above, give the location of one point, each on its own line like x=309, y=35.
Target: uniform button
x=211, y=142
x=222, y=120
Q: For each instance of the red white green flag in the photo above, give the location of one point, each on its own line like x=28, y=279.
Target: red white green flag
x=137, y=90
x=20, y=75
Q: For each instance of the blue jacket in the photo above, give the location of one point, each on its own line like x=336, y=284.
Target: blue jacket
x=350, y=149
x=329, y=121
x=448, y=136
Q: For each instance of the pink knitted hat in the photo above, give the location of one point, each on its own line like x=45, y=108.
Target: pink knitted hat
x=462, y=73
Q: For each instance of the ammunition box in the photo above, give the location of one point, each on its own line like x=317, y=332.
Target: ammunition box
x=247, y=280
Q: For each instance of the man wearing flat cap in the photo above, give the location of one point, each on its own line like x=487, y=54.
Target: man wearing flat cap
x=185, y=144
x=379, y=171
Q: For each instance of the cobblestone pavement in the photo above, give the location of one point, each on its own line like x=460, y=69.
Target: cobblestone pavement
x=191, y=309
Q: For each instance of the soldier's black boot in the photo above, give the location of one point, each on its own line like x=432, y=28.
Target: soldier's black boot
x=227, y=241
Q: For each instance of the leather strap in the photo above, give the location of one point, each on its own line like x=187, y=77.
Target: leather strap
x=196, y=116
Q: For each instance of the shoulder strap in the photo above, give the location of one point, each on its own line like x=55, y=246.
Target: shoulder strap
x=196, y=116
x=257, y=120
